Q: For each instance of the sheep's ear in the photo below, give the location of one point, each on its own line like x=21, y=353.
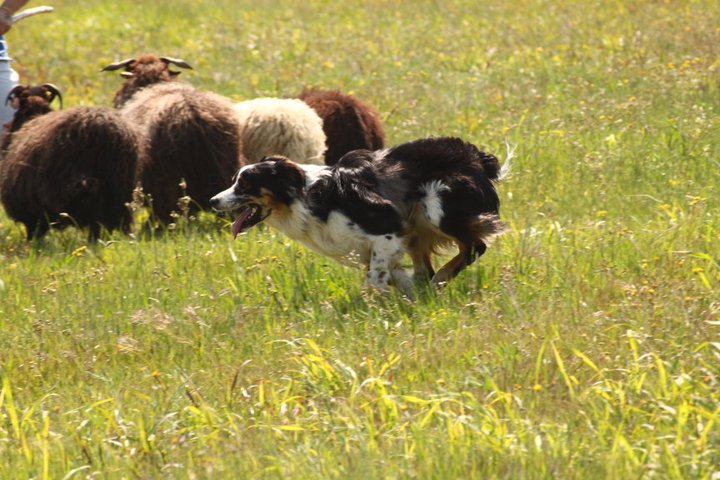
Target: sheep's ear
x=15, y=93
x=176, y=61
x=117, y=65
x=52, y=92
x=127, y=74
x=174, y=73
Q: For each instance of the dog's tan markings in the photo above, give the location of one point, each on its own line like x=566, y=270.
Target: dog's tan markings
x=268, y=199
x=421, y=264
x=423, y=239
x=282, y=214
x=451, y=268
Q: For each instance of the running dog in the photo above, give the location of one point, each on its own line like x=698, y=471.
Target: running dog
x=373, y=207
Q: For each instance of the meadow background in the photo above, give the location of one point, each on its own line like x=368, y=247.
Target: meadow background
x=583, y=344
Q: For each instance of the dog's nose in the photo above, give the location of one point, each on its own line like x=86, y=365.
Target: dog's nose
x=214, y=202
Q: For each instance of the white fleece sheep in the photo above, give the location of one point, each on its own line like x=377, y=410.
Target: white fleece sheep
x=278, y=126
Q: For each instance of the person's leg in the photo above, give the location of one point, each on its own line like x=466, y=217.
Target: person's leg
x=8, y=79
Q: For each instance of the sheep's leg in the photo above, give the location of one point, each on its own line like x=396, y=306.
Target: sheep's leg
x=94, y=235
x=386, y=251
x=36, y=229
x=469, y=252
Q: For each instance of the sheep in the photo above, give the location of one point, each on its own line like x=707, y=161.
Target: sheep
x=281, y=126
x=188, y=136
x=268, y=126
x=348, y=122
x=200, y=136
x=28, y=102
x=69, y=167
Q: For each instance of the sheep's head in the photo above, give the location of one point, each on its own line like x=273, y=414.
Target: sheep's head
x=30, y=101
x=21, y=96
x=143, y=71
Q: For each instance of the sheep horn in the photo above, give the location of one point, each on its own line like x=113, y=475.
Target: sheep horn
x=176, y=61
x=54, y=92
x=117, y=65
x=12, y=95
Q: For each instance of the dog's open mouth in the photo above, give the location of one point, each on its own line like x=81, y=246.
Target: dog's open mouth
x=248, y=216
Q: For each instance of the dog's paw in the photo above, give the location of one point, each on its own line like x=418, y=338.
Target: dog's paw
x=378, y=279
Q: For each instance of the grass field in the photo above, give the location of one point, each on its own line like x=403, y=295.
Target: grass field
x=584, y=344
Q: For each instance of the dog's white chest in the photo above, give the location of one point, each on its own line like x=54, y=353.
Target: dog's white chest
x=338, y=237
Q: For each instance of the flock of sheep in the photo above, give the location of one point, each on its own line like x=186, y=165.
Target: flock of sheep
x=80, y=166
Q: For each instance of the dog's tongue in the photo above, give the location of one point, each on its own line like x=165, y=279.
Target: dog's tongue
x=237, y=225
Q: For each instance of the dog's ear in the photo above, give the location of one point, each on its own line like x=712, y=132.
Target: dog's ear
x=284, y=162
x=272, y=158
x=292, y=170
x=293, y=176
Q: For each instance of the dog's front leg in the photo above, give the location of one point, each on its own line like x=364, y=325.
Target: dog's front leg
x=385, y=251
x=403, y=282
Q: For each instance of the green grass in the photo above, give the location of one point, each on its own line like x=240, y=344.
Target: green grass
x=584, y=344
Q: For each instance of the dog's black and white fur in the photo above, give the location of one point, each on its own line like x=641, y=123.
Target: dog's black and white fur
x=374, y=207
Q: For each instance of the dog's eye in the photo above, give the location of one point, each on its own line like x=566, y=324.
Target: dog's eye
x=241, y=184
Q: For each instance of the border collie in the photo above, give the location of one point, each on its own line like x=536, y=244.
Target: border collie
x=374, y=207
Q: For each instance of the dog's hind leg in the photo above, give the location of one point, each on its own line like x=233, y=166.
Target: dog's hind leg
x=422, y=266
x=471, y=239
x=419, y=248
x=469, y=252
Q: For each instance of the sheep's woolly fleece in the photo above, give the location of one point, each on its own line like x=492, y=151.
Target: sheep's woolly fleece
x=76, y=166
x=186, y=134
x=348, y=122
x=276, y=126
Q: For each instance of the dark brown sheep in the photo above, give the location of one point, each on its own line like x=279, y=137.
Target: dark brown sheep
x=72, y=167
x=348, y=122
x=28, y=102
x=186, y=135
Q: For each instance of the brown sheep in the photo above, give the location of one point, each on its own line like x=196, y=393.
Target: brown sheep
x=28, y=102
x=348, y=122
x=186, y=134
x=72, y=167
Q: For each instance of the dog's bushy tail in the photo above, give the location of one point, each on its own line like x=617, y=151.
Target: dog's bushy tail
x=504, y=171
x=487, y=226
x=491, y=165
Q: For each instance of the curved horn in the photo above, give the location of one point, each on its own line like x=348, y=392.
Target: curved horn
x=176, y=61
x=14, y=93
x=117, y=65
x=54, y=92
